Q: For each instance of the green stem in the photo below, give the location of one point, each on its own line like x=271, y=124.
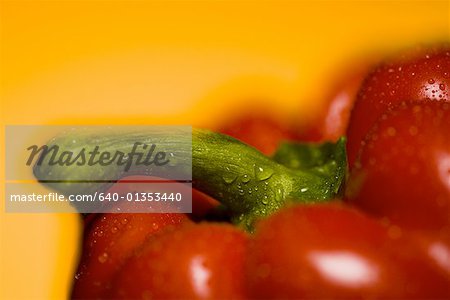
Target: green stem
x=248, y=183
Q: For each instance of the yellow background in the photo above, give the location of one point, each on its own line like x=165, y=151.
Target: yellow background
x=142, y=62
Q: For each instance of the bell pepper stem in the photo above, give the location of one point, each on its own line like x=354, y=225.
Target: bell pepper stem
x=250, y=184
